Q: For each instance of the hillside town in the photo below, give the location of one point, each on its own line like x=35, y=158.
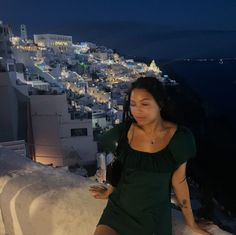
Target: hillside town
x=61, y=94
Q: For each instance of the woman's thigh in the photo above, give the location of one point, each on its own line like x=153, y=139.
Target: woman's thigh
x=105, y=230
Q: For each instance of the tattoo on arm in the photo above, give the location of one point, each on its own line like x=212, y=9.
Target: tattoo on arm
x=183, y=204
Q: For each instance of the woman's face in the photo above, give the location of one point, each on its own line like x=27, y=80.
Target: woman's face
x=143, y=107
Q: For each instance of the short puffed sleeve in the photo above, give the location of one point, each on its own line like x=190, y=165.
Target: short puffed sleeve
x=182, y=146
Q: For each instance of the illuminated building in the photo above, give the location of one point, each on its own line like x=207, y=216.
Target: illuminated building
x=61, y=138
x=23, y=32
x=153, y=68
x=59, y=43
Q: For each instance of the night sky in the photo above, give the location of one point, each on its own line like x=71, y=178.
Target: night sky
x=131, y=26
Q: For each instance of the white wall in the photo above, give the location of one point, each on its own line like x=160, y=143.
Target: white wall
x=37, y=200
x=40, y=200
x=52, y=131
x=46, y=114
x=85, y=145
x=8, y=108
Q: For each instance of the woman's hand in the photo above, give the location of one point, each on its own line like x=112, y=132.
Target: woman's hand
x=200, y=227
x=99, y=191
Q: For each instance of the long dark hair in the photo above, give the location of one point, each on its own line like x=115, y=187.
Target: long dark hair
x=152, y=85
x=178, y=104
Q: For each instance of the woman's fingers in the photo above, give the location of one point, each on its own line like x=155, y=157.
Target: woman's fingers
x=97, y=189
x=99, y=196
x=205, y=224
x=98, y=192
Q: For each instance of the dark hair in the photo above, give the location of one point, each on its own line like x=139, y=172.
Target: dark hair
x=178, y=104
x=152, y=85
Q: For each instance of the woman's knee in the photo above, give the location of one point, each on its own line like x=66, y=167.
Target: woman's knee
x=104, y=230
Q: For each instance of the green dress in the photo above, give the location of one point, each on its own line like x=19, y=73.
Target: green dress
x=140, y=204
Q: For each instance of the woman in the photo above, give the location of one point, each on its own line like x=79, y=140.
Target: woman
x=154, y=155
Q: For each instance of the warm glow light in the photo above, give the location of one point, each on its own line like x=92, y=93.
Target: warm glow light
x=27, y=48
x=15, y=40
x=41, y=44
x=60, y=43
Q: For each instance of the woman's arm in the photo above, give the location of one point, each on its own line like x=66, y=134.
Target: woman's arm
x=180, y=187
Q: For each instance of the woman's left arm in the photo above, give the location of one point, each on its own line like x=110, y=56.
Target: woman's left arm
x=180, y=187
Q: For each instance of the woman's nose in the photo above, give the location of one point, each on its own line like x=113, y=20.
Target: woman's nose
x=138, y=109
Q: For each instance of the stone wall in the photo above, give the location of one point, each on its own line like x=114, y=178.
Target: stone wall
x=37, y=199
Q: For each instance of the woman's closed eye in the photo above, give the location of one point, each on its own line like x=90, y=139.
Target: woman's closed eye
x=143, y=104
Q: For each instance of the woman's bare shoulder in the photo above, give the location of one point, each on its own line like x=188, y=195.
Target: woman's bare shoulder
x=171, y=126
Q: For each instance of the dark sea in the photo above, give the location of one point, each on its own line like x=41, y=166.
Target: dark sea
x=214, y=81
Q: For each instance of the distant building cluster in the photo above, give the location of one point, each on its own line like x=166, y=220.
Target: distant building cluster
x=59, y=96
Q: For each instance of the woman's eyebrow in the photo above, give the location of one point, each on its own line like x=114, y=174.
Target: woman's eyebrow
x=141, y=99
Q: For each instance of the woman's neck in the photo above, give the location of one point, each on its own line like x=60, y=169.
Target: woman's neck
x=153, y=126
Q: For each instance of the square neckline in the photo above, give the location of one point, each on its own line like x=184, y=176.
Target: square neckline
x=156, y=152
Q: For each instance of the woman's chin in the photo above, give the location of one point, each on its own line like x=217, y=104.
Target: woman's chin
x=140, y=121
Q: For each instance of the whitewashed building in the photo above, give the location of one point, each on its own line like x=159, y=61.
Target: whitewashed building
x=59, y=43
x=58, y=139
